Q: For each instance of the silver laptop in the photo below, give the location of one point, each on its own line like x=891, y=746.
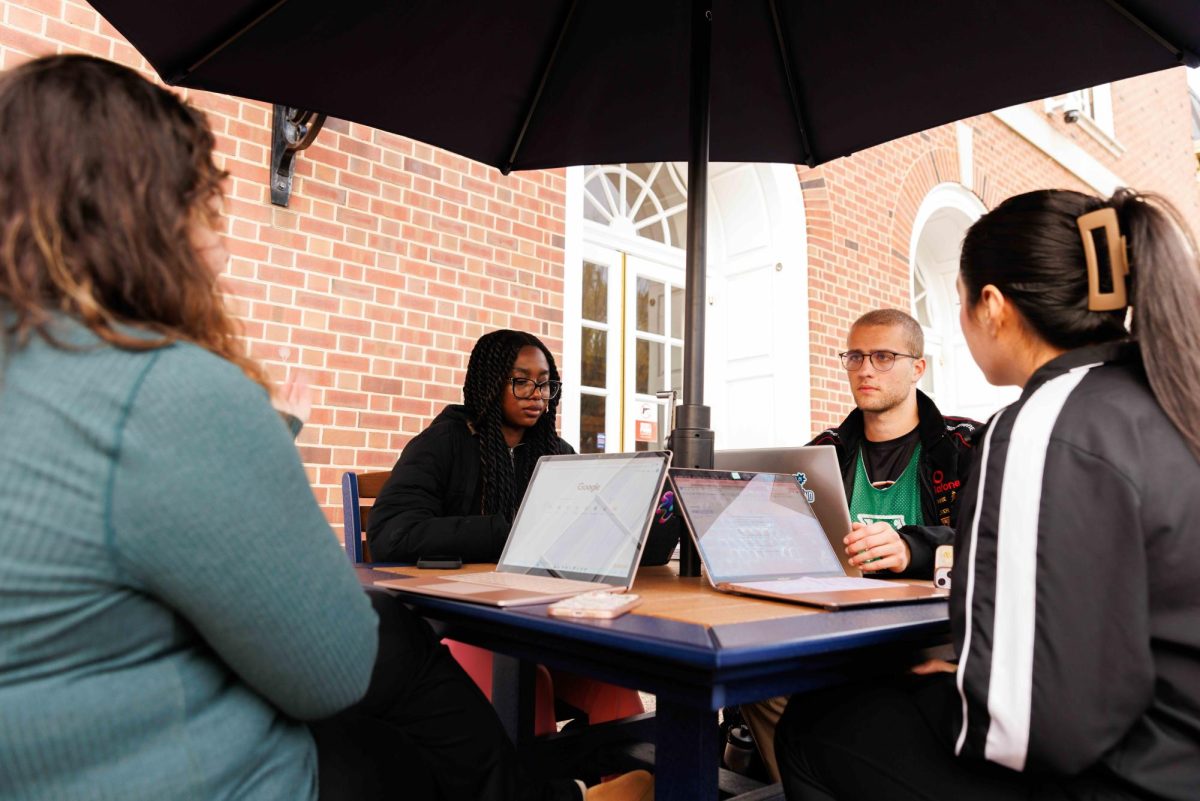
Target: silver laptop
x=822, y=480
x=757, y=535
x=581, y=527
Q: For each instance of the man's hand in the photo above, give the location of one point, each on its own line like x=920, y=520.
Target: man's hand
x=932, y=666
x=876, y=547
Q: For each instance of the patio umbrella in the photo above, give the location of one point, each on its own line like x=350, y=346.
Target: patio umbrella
x=549, y=83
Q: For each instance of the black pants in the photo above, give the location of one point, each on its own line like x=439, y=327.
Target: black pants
x=423, y=730
x=895, y=742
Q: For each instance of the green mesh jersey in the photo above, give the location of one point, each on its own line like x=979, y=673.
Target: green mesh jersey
x=899, y=504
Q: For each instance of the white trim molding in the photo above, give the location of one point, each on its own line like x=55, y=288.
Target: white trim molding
x=568, y=368
x=1033, y=127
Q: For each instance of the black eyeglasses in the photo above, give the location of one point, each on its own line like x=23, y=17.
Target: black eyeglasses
x=526, y=388
x=883, y=360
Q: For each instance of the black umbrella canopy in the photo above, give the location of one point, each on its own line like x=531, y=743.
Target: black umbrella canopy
x=549, y=83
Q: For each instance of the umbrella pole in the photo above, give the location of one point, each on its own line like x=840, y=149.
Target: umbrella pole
x=692, y=440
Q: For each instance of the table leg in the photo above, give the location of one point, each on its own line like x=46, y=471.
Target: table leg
x=513, y=687
x=685, y=754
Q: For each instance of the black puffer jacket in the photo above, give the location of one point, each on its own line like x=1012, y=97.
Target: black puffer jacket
x=431, y=504
x=943, y=468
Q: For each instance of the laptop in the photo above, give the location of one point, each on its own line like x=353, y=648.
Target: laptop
x=581, y=528
x=822, y=480
x=757, y=534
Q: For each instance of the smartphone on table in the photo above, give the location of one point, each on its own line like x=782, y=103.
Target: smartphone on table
x=439, y=563
x=595, y=605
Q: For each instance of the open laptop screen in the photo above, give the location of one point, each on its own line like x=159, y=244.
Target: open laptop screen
x=753, y=526
x=586, y=517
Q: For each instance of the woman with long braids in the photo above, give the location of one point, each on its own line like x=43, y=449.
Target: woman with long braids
x=1075, y=608
x=457, y=486
x=153, y=644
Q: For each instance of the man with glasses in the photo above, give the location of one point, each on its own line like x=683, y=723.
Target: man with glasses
x=903, y=462
x=903, y=466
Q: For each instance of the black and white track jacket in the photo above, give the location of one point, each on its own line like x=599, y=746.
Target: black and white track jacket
x=1076, y=597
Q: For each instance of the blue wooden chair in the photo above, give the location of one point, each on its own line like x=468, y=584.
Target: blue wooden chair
x=357, y=487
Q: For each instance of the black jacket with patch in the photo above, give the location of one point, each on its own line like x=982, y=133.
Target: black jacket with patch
x=431, y=505
x=943, y=469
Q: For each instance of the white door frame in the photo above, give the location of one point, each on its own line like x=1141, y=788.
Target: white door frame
x=784, y=205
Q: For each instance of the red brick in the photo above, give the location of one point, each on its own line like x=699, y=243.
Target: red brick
x=373, y=420
x=280, y=276
x=345, y=325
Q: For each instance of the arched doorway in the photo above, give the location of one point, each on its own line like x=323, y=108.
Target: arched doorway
x=623, y=290
x=952, y=379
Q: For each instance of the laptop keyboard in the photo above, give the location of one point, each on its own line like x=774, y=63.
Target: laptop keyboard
x=521, y=581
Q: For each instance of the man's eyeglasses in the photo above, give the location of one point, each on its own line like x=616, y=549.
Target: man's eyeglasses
x=883, y=360
x=526, y=388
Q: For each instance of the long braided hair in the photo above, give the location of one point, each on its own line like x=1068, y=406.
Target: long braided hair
x=488, y=372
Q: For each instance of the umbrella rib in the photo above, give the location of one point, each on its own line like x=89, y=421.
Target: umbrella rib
x=537, y=95
x=226, y=42
x=1145, y=28
x=793, y=84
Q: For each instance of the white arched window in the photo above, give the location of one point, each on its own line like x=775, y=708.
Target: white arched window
x=643, y=200
x=951, y=378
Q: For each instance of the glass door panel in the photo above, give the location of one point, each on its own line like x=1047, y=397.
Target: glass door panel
x=592, y=437
x=631, y=348
x=655, y=341
x=599, y=370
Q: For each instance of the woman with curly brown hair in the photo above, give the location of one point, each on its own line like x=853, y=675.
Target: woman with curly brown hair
x=154, y=644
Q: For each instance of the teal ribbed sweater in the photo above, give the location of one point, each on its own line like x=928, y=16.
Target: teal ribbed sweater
x=171, y=599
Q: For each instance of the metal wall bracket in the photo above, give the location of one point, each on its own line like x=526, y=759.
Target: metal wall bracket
x=292, y=130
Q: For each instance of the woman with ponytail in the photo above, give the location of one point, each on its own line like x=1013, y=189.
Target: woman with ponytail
x=1075, y=606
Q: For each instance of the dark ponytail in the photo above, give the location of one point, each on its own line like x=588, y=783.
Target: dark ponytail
x=1030, y=248
x=1166, y=305
x=488, y=372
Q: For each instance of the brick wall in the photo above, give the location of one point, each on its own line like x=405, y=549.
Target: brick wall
x=394, y=256
x=861, y=209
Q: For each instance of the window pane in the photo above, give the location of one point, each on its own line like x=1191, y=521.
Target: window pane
x=677, y=312
x=926, y=383
x=595, y=292
x=921, y=299
x=649, y=367
x=650, y=306
x=668, y=195
x=591, y=423
x=603, y=195
x=593, y=367
x=677, y=370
